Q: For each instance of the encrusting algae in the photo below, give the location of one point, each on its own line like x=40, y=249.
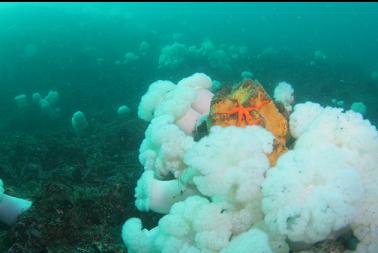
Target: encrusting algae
x=248, y=105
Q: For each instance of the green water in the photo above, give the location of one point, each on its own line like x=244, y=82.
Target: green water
x=100, y=56
x=73, y=47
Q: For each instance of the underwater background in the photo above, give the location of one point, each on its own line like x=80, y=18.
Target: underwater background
x=100, y=56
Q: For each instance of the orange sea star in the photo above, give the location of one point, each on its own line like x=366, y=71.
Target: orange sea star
x=249, y=104
x=245, y=112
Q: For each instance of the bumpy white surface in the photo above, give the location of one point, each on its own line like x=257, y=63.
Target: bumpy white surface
x=228, y=165
x=137, y=239
x=153, y=97
x=254, y=240
x=326, y=183
x=284, y=93
x=231, y=162
x=164, y=147
x=365, y=227
x=177, y=102
x=311, y=193
x=159, y=195
x=315, y=126
x=302, y=117
x=258, y=239
x=194, y=225
x=196, y=81
x=166, y=98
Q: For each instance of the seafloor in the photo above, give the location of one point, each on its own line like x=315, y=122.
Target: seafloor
x=81, y=187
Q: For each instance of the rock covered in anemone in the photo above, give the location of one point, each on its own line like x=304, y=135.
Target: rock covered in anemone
x=229, y=195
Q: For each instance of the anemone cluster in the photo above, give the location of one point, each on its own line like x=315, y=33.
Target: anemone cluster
x=11, y=207
x=221, y=194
